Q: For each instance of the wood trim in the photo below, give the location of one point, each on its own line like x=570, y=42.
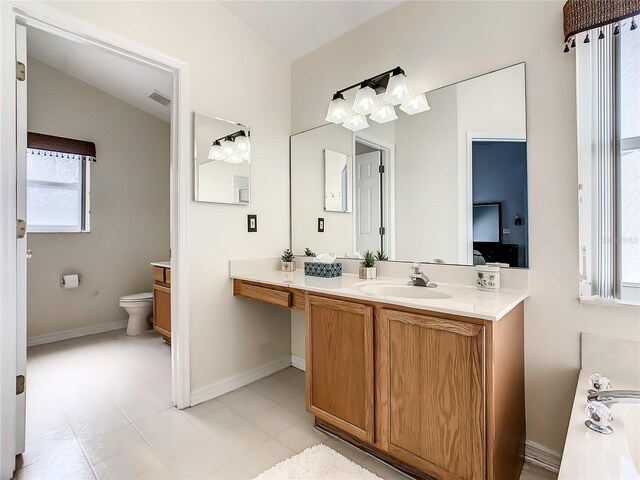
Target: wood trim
x=167, y=276
x=368, y=432
x=264, y=294
x=160, y=288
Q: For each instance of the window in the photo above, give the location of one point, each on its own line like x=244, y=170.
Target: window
x=629, y=128
x=57, y=191
x=608, y=98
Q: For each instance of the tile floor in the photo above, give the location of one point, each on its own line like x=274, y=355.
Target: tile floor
x=100, y=407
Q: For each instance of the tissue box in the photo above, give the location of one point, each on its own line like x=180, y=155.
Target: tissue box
x=324, y=270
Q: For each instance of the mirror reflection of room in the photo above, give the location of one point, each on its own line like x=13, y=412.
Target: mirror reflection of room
x=222, y=157
x=445, y=185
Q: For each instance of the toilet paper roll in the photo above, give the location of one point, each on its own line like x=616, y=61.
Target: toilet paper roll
x=70, y=281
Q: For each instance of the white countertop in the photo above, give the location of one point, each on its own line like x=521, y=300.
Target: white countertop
x=166, y=264
x=591, y=455
x=465, y=301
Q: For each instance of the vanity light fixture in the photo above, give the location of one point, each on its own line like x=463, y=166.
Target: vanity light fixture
x=339, y=111
x=356, y=122
x=233, y=148
x=398, y=88
x=376, y=97
x=215, y=152
x=366, y=101
x=415, y=105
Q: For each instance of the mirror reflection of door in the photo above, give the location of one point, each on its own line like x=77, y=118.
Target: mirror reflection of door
x=368, y=201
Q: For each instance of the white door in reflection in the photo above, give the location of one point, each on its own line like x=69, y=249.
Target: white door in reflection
x=368, y=202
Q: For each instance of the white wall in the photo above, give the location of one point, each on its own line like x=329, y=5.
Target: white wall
x=438, y=43
x=235, y=75
x=129, y=205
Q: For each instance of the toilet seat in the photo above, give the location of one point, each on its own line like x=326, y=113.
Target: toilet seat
x=137, y=297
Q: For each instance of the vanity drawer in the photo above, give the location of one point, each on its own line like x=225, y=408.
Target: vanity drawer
x=263, y=294
x=167, y=276
x=158, y=274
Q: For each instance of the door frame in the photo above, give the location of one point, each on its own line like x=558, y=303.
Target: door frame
x=465, y=235
x=55, y=21
x=388, y=196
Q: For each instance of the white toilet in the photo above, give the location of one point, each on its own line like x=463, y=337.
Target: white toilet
x=139, y=307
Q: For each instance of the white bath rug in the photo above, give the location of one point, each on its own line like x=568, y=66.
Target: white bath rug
x=317, y=463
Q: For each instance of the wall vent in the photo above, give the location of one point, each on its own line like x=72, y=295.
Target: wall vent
x=159, y=97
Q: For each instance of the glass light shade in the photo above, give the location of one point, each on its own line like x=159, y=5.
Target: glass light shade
x=339, y=111
x=366, y=101
x=384, y=114
x=215, y=152
x=415, y=105
x=398, y=89
x=228, y=149
x=356, y=122
x=245, y=157
x=243, y=145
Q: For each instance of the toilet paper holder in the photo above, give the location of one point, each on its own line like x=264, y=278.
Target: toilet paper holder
x=69, y=281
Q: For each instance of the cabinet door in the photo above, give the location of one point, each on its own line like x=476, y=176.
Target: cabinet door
x=339, y=364
x=162, y=310
x=436, y=394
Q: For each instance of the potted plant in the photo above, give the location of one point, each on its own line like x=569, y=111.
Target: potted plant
x=308, y=252
x=288, y=262
x=368, y=269
x=381, y=256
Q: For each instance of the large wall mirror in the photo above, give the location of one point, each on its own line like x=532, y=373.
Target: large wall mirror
x=448, y=185
x=222, y=158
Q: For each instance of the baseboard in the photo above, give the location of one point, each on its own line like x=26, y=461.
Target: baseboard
x=238, y=380
x=75, y=332
x=542, y=457
x=298, y=362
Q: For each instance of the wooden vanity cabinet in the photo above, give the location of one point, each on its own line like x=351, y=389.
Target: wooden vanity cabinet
x=435, y=393
x=162, y=302
x=339, y=364
x=448, y=392
x=438, y=396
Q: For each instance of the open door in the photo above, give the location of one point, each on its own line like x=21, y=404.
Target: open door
x=21, y=237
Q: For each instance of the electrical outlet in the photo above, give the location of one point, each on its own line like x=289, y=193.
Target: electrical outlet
x=320, y=225
x=506, y=231
x=252, y=223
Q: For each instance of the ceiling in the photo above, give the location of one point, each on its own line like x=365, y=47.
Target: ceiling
x=296, y=28
x=123, y=78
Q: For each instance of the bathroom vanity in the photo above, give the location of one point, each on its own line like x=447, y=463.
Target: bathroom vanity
x=432, y=384
x=162, y=299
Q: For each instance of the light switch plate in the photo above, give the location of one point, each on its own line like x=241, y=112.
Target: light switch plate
x=252, y=223
x=320, y=225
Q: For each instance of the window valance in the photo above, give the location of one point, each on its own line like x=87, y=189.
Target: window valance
x=40, y=141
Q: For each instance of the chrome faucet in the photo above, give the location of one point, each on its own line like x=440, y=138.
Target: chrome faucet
x=609, y=397
x=418, y=278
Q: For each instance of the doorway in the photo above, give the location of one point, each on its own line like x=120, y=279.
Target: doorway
x=13, y=186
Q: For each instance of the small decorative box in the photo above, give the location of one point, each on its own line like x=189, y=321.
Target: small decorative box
x=488, y=278
x=324, y=270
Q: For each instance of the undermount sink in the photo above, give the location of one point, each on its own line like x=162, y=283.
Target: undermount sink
x=632, y=428
x=402, y=291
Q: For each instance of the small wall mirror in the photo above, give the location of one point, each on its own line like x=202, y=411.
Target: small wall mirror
x=338, y=173
x=222, y=159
